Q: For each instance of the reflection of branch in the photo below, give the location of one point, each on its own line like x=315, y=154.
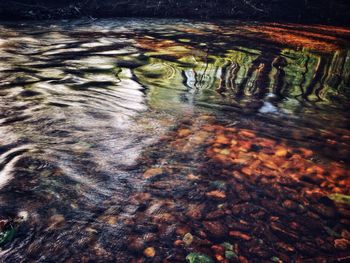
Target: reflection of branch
x=206, y=68
x=48, y=9
x=247, y=2
x=303, y=77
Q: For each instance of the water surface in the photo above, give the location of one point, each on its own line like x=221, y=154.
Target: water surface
x=155, y=140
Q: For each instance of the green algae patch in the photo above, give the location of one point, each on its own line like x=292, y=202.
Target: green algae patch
x=198, y=258
x=340, y=198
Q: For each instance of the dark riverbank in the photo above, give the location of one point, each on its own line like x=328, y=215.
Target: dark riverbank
x=305, y=11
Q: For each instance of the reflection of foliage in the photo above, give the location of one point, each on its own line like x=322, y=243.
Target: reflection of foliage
x=248, y=62
x=340, y=198
x=299, y=71
x=299, y=74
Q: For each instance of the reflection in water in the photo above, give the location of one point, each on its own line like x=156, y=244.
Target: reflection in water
x=161, y=140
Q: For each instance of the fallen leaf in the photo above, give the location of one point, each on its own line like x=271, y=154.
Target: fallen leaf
x=149, y=252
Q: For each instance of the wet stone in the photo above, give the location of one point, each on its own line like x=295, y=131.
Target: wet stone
x=291, y=205
x=285, y=247
x=152, y=172
x=215, y=228
x=324, y=211
x=240, y=235
x=136, y=244
x=345, y=234
x=56, y=221
x=260, y=251
x=187, y=239
x=283, y=231
x=342, y=244
x=219, y=195
x=216, y=214
x=195, y=211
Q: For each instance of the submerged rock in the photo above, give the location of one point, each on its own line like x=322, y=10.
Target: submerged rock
x=239, y=235
x=188, y=239
x=198, y=258
x=136, y=244
x=342, y=244
x=216, y=194
x=56, y=221
x=215, y=228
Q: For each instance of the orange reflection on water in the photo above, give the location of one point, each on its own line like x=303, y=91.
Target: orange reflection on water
x=168, y=47
x=296, y=38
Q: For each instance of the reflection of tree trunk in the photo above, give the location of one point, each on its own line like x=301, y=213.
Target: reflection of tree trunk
x=255, y=83
x=261, y=68
x=303, y=78
x=279, y=84
x=319, y=73
x=228, y=78
x=205, y=71
x=243, y=84
x=338, y=66
x=322, y=85
x=223, y=85
x=233, y=76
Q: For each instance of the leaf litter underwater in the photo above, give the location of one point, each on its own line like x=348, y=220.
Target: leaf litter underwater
x=174, y=141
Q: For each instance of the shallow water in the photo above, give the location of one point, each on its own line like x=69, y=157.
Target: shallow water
x=176, y=136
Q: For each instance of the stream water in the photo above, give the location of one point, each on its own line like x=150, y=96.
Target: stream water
x=136, y=140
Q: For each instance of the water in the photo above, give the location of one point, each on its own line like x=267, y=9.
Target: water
x=155, y=140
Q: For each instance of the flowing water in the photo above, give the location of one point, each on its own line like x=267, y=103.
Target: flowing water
x=159, y=140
